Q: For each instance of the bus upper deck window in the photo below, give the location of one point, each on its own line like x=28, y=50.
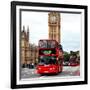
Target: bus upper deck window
x=43, y=44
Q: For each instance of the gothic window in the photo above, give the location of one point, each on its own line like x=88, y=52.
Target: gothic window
x=23, y=36
x=22, y=43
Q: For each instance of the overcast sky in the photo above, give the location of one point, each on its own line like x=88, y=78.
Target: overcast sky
x=38, y=28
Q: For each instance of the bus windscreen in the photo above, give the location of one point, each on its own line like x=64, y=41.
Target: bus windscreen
x=47, y=60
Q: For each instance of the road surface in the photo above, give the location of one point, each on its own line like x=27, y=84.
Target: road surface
x=67, y=71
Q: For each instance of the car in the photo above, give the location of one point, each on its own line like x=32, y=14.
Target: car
x=73, y=64
x=65, y=63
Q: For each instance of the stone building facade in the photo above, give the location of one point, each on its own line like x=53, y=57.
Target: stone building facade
x=29, y=52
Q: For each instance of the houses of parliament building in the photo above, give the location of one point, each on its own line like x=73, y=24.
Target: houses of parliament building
x=29, y=51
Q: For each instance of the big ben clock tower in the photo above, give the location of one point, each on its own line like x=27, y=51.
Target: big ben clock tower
x=54, y=26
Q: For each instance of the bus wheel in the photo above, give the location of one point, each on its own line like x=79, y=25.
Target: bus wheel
x=57, y=73
x=41, y=74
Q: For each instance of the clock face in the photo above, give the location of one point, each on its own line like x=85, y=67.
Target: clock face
x=53, y=19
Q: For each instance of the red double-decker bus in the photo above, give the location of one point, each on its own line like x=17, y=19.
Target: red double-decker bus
x=50, y=57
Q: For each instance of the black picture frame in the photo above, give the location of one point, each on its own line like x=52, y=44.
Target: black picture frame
x=14, y=4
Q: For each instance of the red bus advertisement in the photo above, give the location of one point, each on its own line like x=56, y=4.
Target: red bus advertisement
x=50, y=57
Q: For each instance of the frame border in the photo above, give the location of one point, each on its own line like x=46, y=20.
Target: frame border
x=13, y=44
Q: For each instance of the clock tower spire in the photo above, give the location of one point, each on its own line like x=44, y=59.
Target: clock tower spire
x=54, y=26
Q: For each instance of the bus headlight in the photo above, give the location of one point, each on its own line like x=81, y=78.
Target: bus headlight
x=52, y=68
x=39, y=68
